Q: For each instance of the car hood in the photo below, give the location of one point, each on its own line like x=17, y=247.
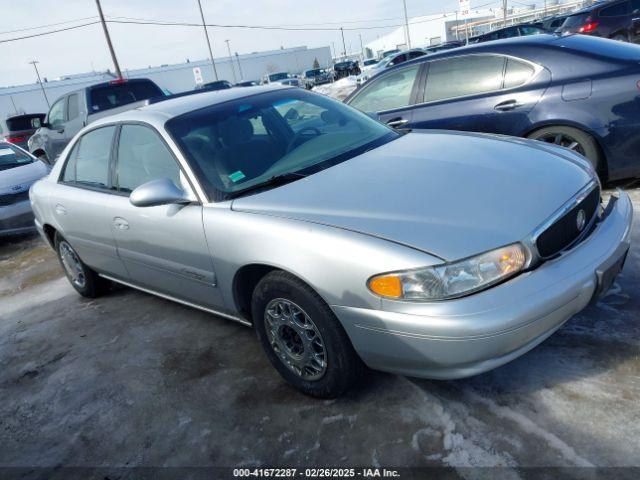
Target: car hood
x=19, y=179
x=450, y=194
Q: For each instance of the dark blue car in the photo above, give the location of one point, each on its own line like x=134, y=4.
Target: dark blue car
x=576, y=91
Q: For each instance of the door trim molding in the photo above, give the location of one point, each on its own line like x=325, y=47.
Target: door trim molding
x=177, y=300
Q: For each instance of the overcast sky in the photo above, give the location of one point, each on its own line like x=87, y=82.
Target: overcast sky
x=136, y=46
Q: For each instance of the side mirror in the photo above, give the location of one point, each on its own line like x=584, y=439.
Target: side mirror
x=158, y=192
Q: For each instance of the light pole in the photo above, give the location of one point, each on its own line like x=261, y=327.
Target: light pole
x=361, y=47
x=109, y=44
x=206, y=34
x=233, y=70
x=406, y=23
x=344, y=47
x=504, y=12
x=34, y=62
x=239, y=67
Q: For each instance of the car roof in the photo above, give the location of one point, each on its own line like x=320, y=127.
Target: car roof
x=173, y=107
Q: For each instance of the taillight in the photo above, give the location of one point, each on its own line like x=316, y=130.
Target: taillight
x=588, y=27
x=17, y=139
x=119, y=81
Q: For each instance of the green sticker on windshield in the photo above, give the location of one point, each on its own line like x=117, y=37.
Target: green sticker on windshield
x=236, y=176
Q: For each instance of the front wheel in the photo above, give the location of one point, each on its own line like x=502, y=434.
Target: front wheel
x=302, y=337
x=573, y=139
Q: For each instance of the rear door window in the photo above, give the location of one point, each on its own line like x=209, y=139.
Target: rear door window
x=517, y=73
x=463, y=76
x=73, y=107
x=88, y=162
x=390, y=91
x=622, y=8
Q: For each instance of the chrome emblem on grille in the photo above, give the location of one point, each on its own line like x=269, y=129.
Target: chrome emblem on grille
x=581, y=220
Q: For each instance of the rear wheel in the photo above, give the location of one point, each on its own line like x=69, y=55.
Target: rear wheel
x=573, y=139
x=302, y=337
x=86, y=282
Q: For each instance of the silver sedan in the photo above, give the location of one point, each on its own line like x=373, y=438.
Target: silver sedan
x=343, y=243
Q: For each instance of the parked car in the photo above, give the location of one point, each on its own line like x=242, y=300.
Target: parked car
x=217, y=85
x=316, y=76
x=576, y=91
x=618, y=20
x=18, y=129
x=390, y=61
x=248, y=83
x=509, y=32
x=369, y=62
x=18, y=171
x=445, y=46
x=344, y=241
x=345, y=69
x=71, y=112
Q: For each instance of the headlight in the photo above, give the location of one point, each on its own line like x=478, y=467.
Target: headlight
x=451, y=280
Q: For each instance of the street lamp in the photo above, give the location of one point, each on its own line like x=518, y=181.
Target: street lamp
x=233, y=70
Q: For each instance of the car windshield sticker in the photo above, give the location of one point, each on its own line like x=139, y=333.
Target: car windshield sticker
x=6, y=151
x=236, y=176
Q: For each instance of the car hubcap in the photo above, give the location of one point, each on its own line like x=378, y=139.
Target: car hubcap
x=72, y=265
x=295, y=339
x=563, y=140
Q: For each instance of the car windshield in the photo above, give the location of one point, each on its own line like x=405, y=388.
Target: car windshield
x=240, y=145
x=11, y=156
x=274, y=77
x=117, y=94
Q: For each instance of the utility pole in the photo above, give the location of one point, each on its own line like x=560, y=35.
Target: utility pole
x=457, y=29
x=406, y=24
x=233, y=70
x=504, y=13
x=34, y=62
x=361, y=47
x=206, y=34
x=109, y=44
x=344, y=47
x=239, y=67
x=545, y=8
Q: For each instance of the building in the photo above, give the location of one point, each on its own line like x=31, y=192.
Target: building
x=173, y=78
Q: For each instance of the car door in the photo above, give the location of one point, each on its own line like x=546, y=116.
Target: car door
x=389, y=96
x=80, y=199
x=55, y=136
x=164, y=247
x=75, y=115
x=482, y=93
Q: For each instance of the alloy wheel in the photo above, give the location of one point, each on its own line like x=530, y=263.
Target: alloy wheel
x=72, y=264
x=295, y=339
x=564, y=140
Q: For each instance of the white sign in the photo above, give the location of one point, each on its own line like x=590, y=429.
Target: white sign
x=464, y=8
x=197, y=74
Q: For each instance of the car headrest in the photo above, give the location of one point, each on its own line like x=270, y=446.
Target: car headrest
x=235, y=130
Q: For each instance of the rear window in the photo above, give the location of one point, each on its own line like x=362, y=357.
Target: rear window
x=575, y=20
x=25, y=122
x=113, y=96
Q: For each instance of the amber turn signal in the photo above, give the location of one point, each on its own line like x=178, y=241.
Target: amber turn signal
x=386, y=286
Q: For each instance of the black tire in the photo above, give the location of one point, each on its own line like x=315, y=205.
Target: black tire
x=587, y=146
x=92, y=285
x=343, y=366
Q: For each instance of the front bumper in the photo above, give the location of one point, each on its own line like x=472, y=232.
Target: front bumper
x=464, y=337
x=16, y=218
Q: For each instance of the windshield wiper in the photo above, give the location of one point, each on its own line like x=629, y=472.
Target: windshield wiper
x=271, y=182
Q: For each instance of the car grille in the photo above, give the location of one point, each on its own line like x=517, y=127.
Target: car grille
x=11, y=198
x=564, y=232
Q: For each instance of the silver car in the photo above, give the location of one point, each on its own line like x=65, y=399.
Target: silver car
x=18, y=171
x=341, y=241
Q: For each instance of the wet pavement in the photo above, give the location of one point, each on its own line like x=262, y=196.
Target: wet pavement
x=133, y=380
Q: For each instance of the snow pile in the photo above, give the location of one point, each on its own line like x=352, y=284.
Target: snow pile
x=339, y=89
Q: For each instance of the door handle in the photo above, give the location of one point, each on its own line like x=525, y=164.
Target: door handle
x=61, y=210
x=120, y=223
x=508, y=105
x=397, y=122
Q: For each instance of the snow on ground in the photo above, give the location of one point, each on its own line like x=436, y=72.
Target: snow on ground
x=339, y=89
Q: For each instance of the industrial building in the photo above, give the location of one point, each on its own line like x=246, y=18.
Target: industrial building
x=173, y=78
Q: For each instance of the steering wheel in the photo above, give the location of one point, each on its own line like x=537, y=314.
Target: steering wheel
x=299, y=134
